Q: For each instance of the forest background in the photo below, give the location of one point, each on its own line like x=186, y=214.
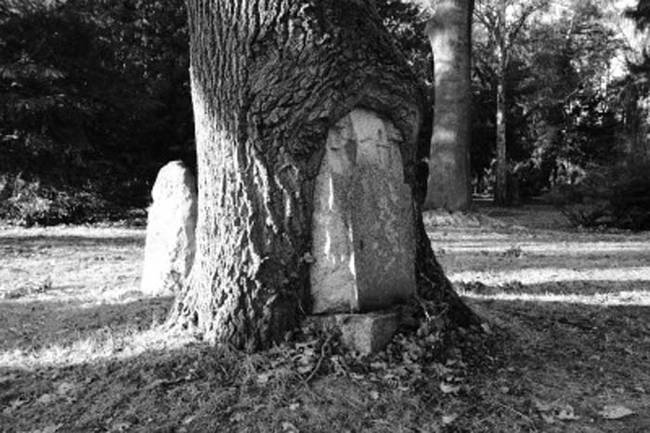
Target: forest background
x=94, y=99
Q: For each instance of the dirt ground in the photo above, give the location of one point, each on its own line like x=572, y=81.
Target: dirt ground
x=566, y=346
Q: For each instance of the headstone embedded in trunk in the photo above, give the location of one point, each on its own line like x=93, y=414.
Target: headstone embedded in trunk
x=363, y=225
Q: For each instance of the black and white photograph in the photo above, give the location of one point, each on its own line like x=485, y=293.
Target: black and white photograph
x=325, y=216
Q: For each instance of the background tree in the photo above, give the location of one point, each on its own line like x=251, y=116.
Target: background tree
x=268, y=81
x=449, y=31
x=503, y=22
x=635, y=86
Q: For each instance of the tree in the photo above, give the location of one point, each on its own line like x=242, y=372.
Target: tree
x=636, y=88
x=449, y=31
x=503, y=22
x=269, y=79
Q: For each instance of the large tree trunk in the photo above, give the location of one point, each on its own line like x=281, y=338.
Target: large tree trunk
x=268, y=81
x=449, y=32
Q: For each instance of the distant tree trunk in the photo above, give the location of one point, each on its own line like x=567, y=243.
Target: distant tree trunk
x=636, y=124
x=268, y=81
x=449, y=31
x=501, y=187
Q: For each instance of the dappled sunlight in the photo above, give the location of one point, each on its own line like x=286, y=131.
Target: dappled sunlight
x=638, y=298
x=58, y=327
x=543, y=275
x=80, y=264
x=512, y=263
x=104, y=345
x=543, y=248
x=72, y=234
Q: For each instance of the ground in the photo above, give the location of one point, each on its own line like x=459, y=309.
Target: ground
x=565, y=348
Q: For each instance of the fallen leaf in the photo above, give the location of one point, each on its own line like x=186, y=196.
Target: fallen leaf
x=448, y=419
x=263, y=378
x=64, y=388
x=447, y=388
x=238, y=417
x=374, y=395
x=289, y=428
x=541, y=406
x=15, y=404
x=304, y=369
x=120, y=427
x=615, y=412
x=548, y=418
x=294, y=406
x=567, y=414
x=441, y=369
x=46, y=398
x=52, y=428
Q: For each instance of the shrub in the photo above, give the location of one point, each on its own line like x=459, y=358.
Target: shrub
x=616, y=196
x=28, y=203
x=630, y=200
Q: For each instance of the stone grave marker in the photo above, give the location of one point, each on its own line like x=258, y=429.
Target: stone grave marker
x=171, y=221
x=362, y=226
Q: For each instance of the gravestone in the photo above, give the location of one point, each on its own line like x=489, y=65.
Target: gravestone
x=171, y=221
x=362, y=225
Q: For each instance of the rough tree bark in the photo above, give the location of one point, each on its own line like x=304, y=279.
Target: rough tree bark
x=449, y=31
x=268, y=81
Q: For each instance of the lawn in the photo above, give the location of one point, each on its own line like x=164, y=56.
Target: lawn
x=566, y=346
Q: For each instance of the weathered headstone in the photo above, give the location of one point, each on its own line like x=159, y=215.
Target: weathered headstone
x=169, y=248
x=362, y=227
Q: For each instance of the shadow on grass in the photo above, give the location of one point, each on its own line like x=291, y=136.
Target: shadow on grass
x=69, y=241
x=620, y=263
x=577, y=354
x=37, y=324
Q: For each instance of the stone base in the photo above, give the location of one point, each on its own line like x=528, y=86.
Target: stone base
x=365, y=333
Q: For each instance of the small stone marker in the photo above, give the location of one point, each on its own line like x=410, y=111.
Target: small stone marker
x=362, y=227
x=169, y=248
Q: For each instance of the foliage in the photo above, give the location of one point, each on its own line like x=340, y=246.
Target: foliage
x=558, y=110
x=29, y=202
x=93, y=93
x=405, y=22
x=609, y=196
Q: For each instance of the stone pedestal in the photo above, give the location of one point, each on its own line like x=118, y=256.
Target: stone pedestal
x=364, y=333
x=363, y=227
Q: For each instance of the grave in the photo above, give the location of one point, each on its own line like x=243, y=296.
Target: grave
x=171, y=221
x=362, y=226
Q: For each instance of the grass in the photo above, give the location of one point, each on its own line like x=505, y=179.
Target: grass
x=82, y=350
